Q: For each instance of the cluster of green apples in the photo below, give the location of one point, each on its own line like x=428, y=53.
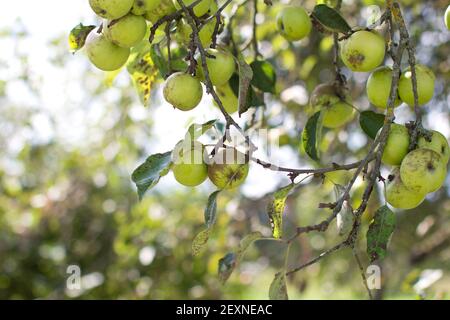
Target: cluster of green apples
x=415, y=173
x=364, y=51
x=227, y=168
x=124, y=26
x=379, y=85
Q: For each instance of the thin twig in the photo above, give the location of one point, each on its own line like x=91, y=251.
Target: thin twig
x=254, y=30
x=363, y=274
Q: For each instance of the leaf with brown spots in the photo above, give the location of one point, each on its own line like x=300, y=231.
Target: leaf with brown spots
x=143, y=72
x=278, y=288
x=229, y=262
x=275, y=210
x=379, y=233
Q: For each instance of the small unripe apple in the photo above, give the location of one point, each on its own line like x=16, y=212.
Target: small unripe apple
x=189, y=167
x=336, y=112
x=127, y=31
x=183, y=91
x=111, y=9
x=425, y=85
x=186, y=145
x=447, y=18
x=397, y=145
x=229, y=100
x=423, y=170
x=205, y=33
x=228, y=168
x=200, y=8
x=438, y=143
x=221, y=66
x=400, y=196
x=104, y=54
x=378, y=88
x=164, y=8
x=140, y=7
x=363, y=51
x=293, y=23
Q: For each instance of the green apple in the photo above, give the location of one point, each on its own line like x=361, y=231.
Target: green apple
x=363, y=51
x=425, y=85
x=127, y=31
x=221, y=66
x=336, y=112
x=183, y=91
x=140, y=7
x=189, y=167
x=184, y=31
x=423, y=170
x=397, y=145
x=400, y=196
x=447, y=18
x=293, y=23
x=229, y=100
x=438, y=143
x=186, y=145
x=104, y=54
x=324, y=95
x=164, y=8
x=111, y=9
x=228, y=168
x=200, y=8
x=378, y=88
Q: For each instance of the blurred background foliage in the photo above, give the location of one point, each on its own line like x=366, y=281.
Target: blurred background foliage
x=70, y=137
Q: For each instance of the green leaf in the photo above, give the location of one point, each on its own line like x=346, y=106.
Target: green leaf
x=159, y=61
x=147, y=175
x=253, y=99
x=231, y=260
x=202, y=238
x=330, y=19
x=226, y=266
x=200, y=241
x=245, y=77
x=247, y=241
x=379, y=233
x=142, y=71
x=196, y=130
x=78, y=35
x=275, y=210
x=278, y=288
x=371, y=122
x=264, y=76
x=211, y=209
x=312, y=135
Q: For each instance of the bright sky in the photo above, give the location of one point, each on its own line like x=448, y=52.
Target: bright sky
x=62, y=95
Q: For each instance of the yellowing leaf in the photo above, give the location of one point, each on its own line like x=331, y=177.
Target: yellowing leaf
x=275, y=210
